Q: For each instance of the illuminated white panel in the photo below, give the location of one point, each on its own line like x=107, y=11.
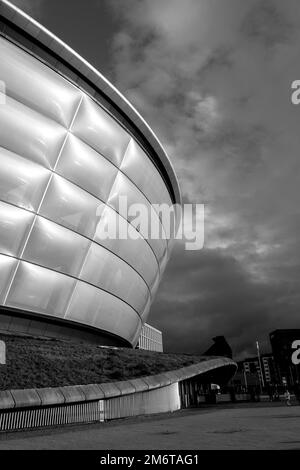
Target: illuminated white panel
x=137, y=335
x=56, y=247
x=21, y=181
x=124, y=188
x=97, y=308
x=87, y=168
x=133, y=249
x=36, y=85
x=139, y=168
x=14, y=227
x=72, y=207
x=95, y=127
x=7, y=265
x=155, y=287
x=110, y=273
x=29, y=134
x=40, y=290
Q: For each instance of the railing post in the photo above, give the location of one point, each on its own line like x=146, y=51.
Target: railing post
x=2, y=353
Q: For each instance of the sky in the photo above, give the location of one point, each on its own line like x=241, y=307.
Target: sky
x=213, y=79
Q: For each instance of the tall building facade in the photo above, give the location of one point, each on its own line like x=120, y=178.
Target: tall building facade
x=251, y=373
x=150, y=339
x=265, y=370
x=70, y=146
x=282, y=347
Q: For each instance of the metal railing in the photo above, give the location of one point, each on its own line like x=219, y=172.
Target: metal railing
x=30, y=418
x=159, y=400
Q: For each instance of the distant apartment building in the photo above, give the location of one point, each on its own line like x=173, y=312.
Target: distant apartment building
x=265, y=370
x=251, y=373
x=150, y=339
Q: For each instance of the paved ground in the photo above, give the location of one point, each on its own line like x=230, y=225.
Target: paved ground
x=246, y=426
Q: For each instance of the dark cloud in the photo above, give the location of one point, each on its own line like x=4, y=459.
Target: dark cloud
x=267, y=23
x=220, y=75
x=85, y=26
x=210, y=293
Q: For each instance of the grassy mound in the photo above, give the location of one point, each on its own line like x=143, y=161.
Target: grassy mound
x=35, y=363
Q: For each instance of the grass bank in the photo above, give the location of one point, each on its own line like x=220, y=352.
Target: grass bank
x=34, y=362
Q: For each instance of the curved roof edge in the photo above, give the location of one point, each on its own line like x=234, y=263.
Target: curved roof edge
x=57, y=46
x=9, y=399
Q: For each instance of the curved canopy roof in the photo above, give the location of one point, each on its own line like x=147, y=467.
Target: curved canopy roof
x=216, y=369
